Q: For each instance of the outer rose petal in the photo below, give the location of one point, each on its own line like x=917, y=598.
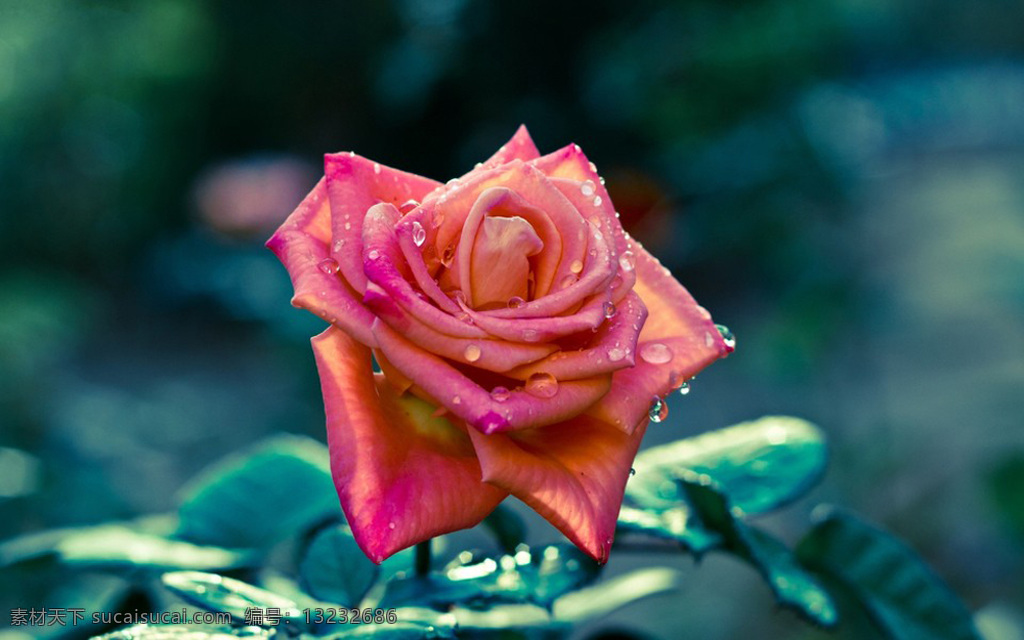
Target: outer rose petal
x=354, y=184
x=574, y=474
x=303, y=244
x=402, y=476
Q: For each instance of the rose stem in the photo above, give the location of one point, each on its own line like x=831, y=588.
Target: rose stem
x=423, y=558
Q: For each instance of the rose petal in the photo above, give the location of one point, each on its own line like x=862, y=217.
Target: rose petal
x=613, y=347
x=586, y=318
x=302, y=245
x=500, y=261
x=483, y=353
x=574, y=474
x=628, y=402
x=354, y=184
x=381, y=254
x=598, y=271
x=474, y=404
x=401, y=475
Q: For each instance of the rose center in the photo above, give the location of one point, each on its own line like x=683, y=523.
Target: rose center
x=500, y=263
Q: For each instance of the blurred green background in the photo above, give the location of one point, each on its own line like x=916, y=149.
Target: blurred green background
x=839, y=181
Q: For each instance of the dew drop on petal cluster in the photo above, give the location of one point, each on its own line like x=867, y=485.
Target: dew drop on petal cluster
x=419, y=234
x=472, y=353
x=542, y=385
x=500, y=394
x=655, y=353
x=515, y=302
x=328, y=266
x=658, y=410
x=627, y=262
x=587, y=188
x=727, y=336
x=609, y=309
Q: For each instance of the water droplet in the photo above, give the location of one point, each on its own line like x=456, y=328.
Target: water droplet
x=730, y=340
x=456, y=400
x=515, y=302
x=632, y=471
x=609, y=309
x=391, y=525
x=587, y=188
x=419, y=234
x=597, y=201
x=627, y=261
x=448, y=255
x=576, y=266
x=348, y=227
x=684, y=388
x=615, y=354
x=709, y=341
x=658, y=411
x=601, y=179
x=408, y=206
x=542, y=385
x=568, y=281
x=376, y=167
x=500, y=394
x=530, y=335
x=655, y=353
x=329, y=266
x=373, y=255
x=704, y=313
x=593, y=167
x=454, y=182
x=472, y=353
x=339, y=245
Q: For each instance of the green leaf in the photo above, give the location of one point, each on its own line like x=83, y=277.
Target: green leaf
x=608, y=595
x=761, y=465
x=674, y=524
x=538, y=578
x=255, y=498
x=118, y=547
x=214, y=592
x=793, y=587
x=334, y=568
x=507, y=527
x=902, y=595
x=1004, y=490
x=186, y=632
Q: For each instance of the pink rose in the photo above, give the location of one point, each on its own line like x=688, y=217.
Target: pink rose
x=520, y=333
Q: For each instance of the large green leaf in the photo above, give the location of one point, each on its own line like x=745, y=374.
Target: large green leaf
x=761, y=465
x=255, y=498
x=904, y=597
x=537, y=577
x=214, y=592
x=334, y=569
x=119, y=547
x=794, y=588
x=676, y=524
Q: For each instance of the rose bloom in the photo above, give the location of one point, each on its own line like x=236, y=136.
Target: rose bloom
x=520, y=333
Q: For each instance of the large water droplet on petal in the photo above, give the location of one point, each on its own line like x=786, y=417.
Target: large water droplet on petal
x=530, y=335
x=615, y=354
x=472, y=353
x=730, y=340
x=587, y=188
x=419, y=234
x=627, y=262
x=329, y=266
x=501, y=394
x=373, y=255
x=515, y=302
x=658, y=410
x=655, y=353
x=576, y=266
x=408, y=206
x=542, y=385
x=597, y=201
x=609, y=309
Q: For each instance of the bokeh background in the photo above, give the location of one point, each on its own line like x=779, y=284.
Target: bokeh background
x=839, y=181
